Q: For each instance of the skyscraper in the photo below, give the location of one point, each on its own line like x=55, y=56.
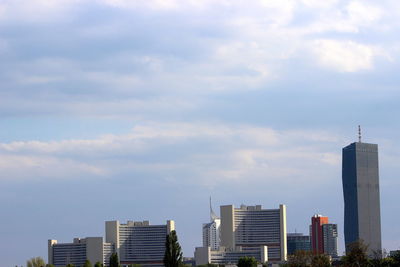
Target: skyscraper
x=360, y=176
x=211, y=231
x=316, y=234
x=324, y=236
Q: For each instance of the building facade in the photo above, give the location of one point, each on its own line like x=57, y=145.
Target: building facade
x=251, y=227
x=298, y=242
x=330, y=239
x=360, y=177
x=211, y=235
x=139, y=242
x=80, y=250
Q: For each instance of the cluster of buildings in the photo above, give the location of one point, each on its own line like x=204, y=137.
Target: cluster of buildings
x=135, y=243
x=246, y=230
x=261, y=233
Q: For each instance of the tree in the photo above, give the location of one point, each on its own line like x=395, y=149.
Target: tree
x=114, y=262
x=87, y=264
x=35, y=262
x=98, y=264
x=300, y=259
x=50, y=265
x=247, y=262
x=320, y=260
x=70, y=265
x=208, y=265
x=173, y=253
x=356, y=255
x=396, y=258
x=134, y=265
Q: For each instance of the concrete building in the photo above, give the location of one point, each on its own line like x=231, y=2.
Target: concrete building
x=205, y=255
x=139, y=242
x=80, y=250
x=360, y=176
x=330, y=239
x=251, y=227
x=317, y=238
x=298, y=242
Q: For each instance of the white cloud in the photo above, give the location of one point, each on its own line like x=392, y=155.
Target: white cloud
x=224, y=153
x=363, y=14
x=344, y=56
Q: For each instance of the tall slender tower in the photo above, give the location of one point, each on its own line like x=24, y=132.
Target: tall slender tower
x=360, y=176
x=211, y=231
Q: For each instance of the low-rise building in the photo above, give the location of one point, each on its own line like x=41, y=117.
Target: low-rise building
x=297, y=242
x=223, y=256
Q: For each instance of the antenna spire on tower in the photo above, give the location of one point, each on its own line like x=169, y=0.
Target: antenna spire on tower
x=213, y=216
x=359, y=133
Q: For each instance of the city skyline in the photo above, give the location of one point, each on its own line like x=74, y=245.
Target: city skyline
x=140, y=110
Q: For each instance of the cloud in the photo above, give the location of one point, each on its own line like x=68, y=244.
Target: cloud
x=344, y=56
x=212, y=155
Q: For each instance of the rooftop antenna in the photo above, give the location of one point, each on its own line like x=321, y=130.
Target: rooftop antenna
x=359, y=133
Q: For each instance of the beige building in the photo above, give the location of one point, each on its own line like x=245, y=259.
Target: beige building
x=80, y=250
x=251, y=227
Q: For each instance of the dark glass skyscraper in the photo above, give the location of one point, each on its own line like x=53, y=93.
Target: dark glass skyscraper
x=360, y=175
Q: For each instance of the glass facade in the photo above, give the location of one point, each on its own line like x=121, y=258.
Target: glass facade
x=297, y=242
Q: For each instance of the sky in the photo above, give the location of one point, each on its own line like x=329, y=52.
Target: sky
x=143, y=109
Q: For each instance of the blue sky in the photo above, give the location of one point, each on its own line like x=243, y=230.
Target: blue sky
x=140, y=110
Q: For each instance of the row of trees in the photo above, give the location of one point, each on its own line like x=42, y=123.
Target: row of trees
x=39, y=262
x=356, y=257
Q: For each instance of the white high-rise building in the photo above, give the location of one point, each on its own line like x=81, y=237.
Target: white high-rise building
x=251, y=227
x=211, y=234
x=211, y=231
x=139, y=242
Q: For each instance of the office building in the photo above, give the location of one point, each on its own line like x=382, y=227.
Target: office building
x=139, y=242
x=298, y=242
x=211, y=231
x=317, y=238
x=251, y=227
x=360, y=176
x=80, y=250
x=330, y=239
